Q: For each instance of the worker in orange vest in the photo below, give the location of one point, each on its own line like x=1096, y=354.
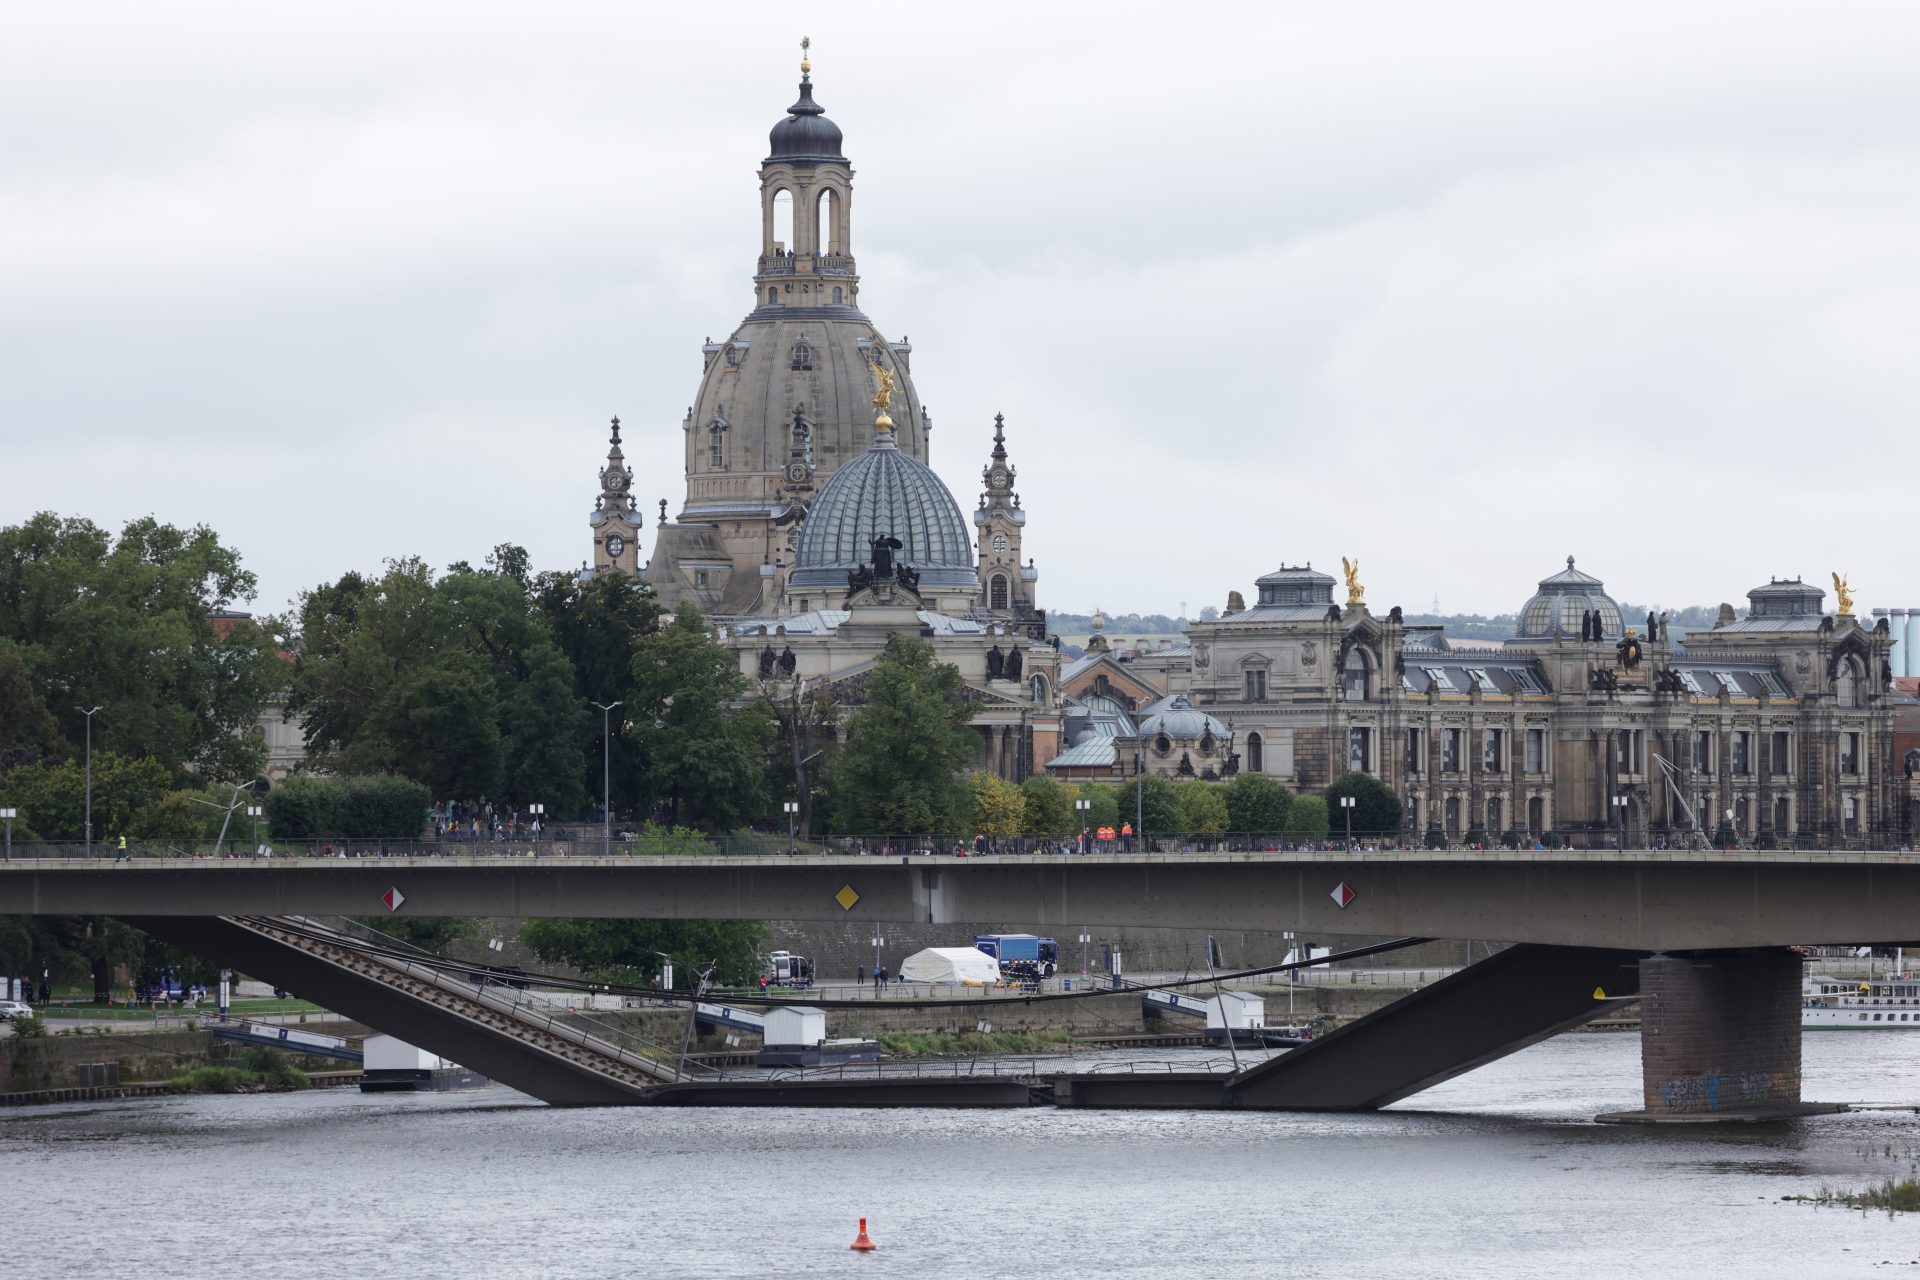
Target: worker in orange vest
x=1126, y=836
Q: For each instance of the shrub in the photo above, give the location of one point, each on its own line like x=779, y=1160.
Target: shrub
x=1436, y=838
x=1376, y=810
x=211, y=1080
x=1476, y=835
x=1515, y=838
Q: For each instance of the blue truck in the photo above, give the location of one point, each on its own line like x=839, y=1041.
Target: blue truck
x=1020, y=948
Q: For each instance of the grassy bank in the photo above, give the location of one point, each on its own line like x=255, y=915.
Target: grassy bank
x=1893, y=1197
x=974, y=1044
x=259, y=1070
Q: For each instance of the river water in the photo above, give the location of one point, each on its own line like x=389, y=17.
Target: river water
x=1497, y=1173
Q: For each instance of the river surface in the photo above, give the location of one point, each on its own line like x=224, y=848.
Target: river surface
x=1497, y=1173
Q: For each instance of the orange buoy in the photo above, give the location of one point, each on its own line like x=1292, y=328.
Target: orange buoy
x=863, y=1245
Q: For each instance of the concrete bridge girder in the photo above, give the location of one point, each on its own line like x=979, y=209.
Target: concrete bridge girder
x=1638, y=901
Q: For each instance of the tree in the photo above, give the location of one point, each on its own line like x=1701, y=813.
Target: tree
x=1306, y=820
x=1103, y=805
x=28, y=732
x=701, y=760
x=1257, y=805
x=999, y=807
x=1159, y=814
x=598, y=624
x=52, y=798
x=1046, y=808
x=626, y=951
x=1203, y=809
x=129, y=625
x=457, y=683
x=804, y=742
x=1376, y=810
x=899, y=772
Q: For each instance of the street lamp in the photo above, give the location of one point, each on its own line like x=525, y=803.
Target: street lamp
x=606, y=774
x=1080, y=808
x=254, y=811
x=792, y=807
x=1346, y=807
x=1619, y=823
x=89, y=715
x=537, y=812
x=1139, y=823
x=8, y=815
x=876, y=961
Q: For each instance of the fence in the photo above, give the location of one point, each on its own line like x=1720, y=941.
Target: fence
x=590, y=844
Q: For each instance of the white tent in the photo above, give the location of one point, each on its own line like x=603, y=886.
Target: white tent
x=951, y=964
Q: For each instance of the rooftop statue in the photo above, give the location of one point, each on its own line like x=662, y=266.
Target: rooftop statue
x=1845, y=594
x=1356, y=594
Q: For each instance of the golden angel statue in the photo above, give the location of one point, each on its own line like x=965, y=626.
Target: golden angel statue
x=1845, y=594
x=1356, y=593
x=883, y=398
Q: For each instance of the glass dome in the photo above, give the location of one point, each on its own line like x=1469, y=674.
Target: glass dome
x=1556, y=611
x=882, y=492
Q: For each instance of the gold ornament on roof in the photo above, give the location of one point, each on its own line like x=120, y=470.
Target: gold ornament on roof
x=806, y=43
x=1845, y=593
x=1356, y=594
x=883, y=398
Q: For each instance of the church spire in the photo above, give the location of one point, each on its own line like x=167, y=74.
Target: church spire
x=615, y=523
x=1007, y=584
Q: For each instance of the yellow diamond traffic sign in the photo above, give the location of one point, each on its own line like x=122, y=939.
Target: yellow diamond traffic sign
x=846, y=897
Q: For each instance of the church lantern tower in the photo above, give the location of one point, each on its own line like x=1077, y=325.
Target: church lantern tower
x=616, y=525
x=1006, y=582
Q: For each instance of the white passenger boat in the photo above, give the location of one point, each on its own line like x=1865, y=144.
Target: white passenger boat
x=1878, y=1004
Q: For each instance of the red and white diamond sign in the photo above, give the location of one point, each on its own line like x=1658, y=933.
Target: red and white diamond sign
x=393, y=898
x=1343, y=894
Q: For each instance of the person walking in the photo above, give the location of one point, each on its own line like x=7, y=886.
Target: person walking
x=876, y=979
x=123, y=850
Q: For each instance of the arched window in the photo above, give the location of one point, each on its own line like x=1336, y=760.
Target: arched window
x=773, y=295
x=716, y=447
x=1846, y=685
x=1256, y=754
x=1354, y=677
x=1039, y=686
x=836, y=295
x=782, y=221
x=827, y=212
x=802, y=356
x=997, y=592
x=1740, y=815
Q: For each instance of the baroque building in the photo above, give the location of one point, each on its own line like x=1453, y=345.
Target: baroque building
x=1584, y=726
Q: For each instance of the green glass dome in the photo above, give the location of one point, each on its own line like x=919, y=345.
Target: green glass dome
x=881, y=492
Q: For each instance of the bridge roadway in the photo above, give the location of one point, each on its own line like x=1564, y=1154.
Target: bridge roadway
x=1639, y=900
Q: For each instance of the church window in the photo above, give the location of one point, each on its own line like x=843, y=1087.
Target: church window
x=836, y=294
x=716, y=447
x=997, y=592
x=999, y=544
x=782, y=221
x=1256, y=754
x=773, y=296
x=802, y=356
x=1846, y=685
x=1354, y=677
x=827, y=212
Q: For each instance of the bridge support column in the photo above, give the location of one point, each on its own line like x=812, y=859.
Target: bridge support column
x=1720, y=1037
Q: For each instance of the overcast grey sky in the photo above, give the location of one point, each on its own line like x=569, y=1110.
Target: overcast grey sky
x=1458, y=289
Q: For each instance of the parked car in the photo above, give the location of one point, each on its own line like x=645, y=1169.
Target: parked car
x=11, y=1009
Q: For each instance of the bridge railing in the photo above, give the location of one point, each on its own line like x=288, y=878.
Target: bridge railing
x=522, y=1005
x=588, y=843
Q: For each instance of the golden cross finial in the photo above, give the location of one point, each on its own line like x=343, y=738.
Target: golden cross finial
x=806, y=43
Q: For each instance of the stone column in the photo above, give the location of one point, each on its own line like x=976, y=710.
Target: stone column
x=1720, y=1032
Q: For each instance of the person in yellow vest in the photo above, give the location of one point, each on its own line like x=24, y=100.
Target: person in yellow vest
x=123, y=850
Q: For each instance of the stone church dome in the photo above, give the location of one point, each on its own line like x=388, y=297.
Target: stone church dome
x=1555, y=611
x=881, y=492
x=806, y=133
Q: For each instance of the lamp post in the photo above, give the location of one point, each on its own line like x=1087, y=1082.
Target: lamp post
x=1085, y=938
x=1080, y=808
x=1346, y=807
x=792, y=808
x=538, y=813
x=606, y=774
x=1139, y=824
x=254, y=811
x=8, y=815
x=1619, y=823
x=88, y=713
x=875, y=971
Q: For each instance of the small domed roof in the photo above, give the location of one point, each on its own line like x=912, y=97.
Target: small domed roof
x=1177, y=718
x=806, y=134
x=1556, y=609
x=881, y=492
